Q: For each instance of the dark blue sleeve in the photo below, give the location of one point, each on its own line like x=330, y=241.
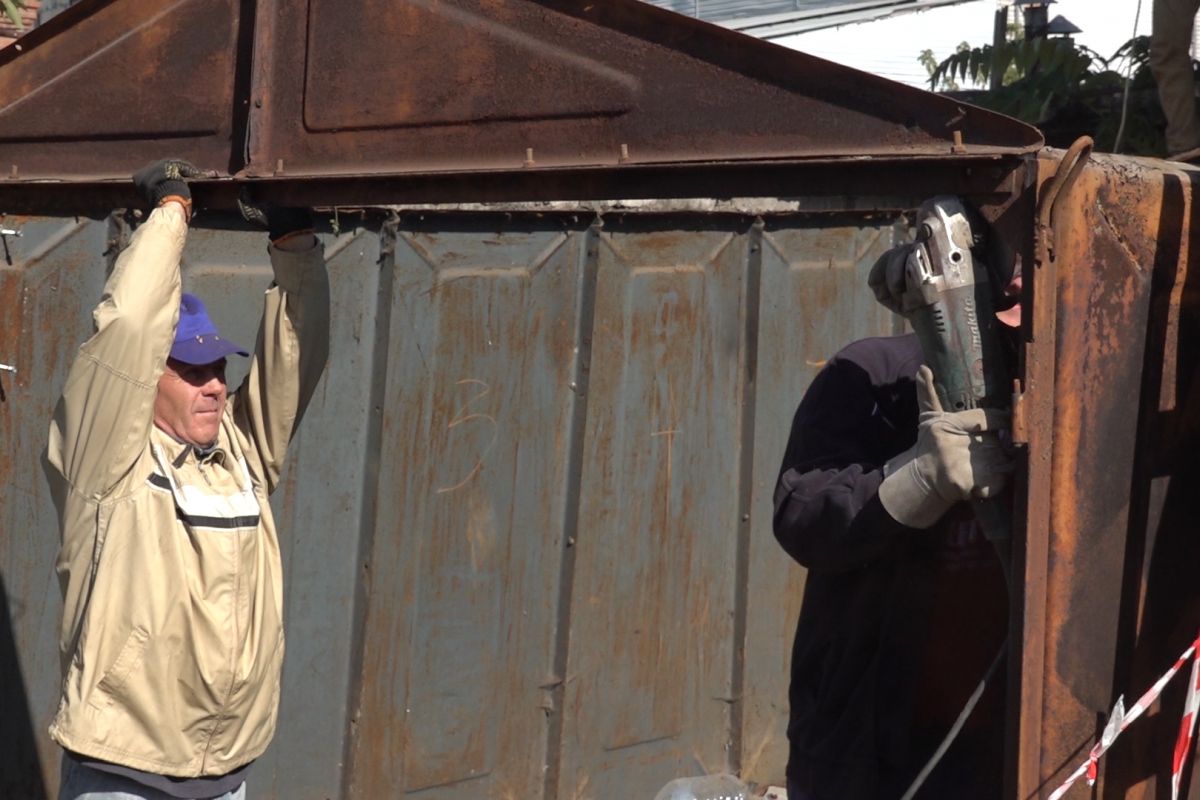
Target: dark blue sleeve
x=827, y=511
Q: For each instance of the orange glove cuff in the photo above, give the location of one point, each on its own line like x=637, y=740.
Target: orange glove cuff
x=292, y=235
x=186, y=202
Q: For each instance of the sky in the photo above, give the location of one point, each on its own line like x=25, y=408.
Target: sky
x=890, y=47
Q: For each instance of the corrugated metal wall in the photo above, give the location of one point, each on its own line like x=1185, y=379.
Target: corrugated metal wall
x=526, y=523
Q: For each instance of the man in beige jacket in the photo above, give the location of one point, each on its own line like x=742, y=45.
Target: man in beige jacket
x=172, y=635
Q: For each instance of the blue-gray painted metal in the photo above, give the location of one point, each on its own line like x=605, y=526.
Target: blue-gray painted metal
x=50, y=277
x=52, y=8
x=526, y=523
x=320, y=503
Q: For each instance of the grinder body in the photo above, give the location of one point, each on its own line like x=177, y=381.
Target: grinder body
x=948, y=302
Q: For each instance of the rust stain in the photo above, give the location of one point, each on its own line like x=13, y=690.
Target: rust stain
x=463, y=414
x=482, y=537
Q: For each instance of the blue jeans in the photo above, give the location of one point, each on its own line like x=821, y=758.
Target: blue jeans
x=80, y=783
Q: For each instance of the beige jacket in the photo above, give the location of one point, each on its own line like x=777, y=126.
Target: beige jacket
x=172, y=636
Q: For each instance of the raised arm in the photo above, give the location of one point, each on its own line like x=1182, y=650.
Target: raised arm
x=827, y=511
x=293, y=342
x=103, y=418
x=862, y=418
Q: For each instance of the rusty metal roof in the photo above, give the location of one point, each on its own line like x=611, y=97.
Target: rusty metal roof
x=454, y=98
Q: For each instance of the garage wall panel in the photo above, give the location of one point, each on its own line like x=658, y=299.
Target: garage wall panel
x=526, y=521
x=464, y=568
x=650, y=668
x=814, y=300
x=50, y=276
x=319, y=504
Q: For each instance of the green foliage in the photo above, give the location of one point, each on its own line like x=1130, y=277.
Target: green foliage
x=1066, y=89
x=12, y=10
x=1046, y=68
x=944, y=82
x=930, y=64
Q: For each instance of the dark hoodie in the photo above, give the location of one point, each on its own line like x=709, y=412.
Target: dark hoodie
x=897, y=625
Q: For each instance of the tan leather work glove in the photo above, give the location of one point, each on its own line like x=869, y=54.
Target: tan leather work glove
x=958, y=456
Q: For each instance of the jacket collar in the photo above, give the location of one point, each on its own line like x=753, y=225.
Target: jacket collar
x=178, y=452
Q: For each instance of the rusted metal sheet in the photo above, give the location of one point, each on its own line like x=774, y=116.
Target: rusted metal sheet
x=325, y=504
x=1110, y=588
x=48, y=279
x=568, y=83
x=843, y=185
x=523, y=363
x=475, y=482
x=525, y=548
x=526, y=553
x=649, y=679
x=141, y=80
x=453, y=96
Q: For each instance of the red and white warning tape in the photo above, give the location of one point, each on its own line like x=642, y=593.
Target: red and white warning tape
x=1187, y=725
x=1120, y=720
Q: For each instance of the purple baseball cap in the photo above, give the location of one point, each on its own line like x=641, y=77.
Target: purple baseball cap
x=196, y=338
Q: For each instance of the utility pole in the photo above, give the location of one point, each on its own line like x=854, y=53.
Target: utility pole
x=999, y=37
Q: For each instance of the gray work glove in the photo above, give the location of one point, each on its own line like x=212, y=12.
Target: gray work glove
x=887, y=278
x=166, y=178
x=958, y=456
x=278, y=221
